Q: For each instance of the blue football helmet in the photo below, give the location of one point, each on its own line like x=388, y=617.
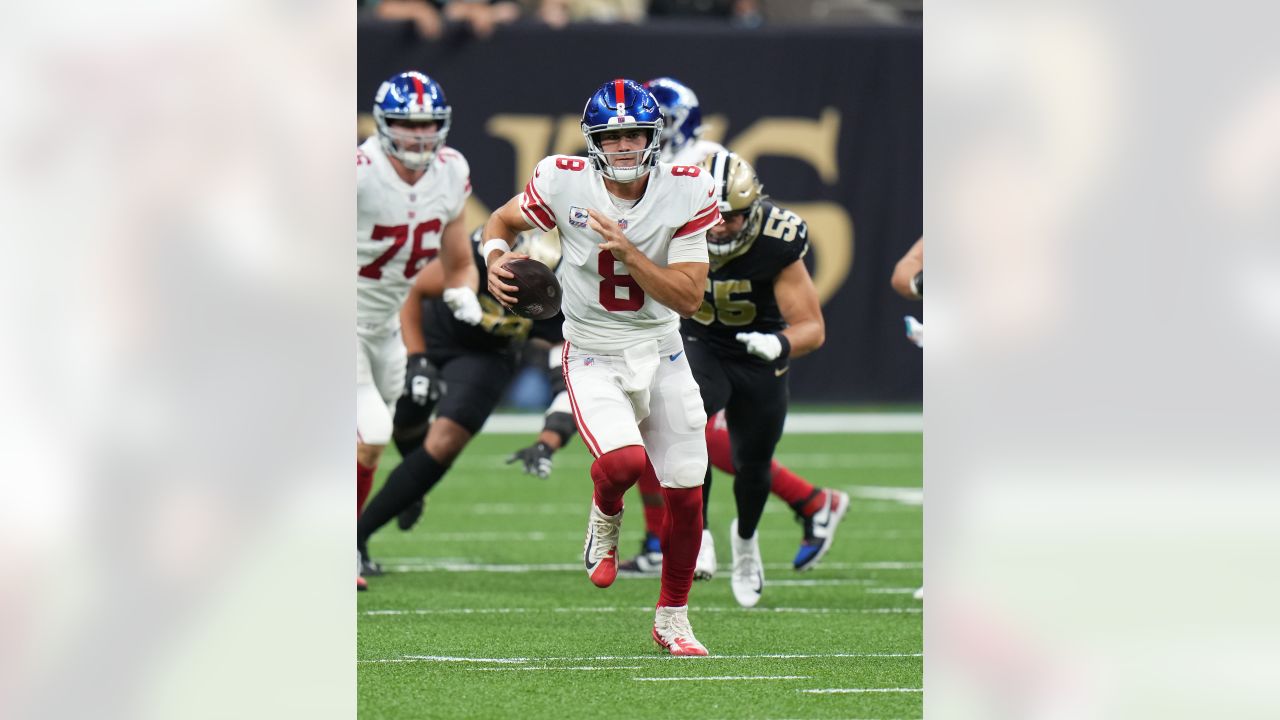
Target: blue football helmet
x=680, y=108
x=617, y=105
x=412, y=97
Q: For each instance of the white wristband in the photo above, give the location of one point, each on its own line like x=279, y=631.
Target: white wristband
x=494, y=244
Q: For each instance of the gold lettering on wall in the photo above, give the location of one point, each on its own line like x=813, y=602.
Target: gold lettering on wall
x=528, y=135
x=813, y=141
x=831, y=235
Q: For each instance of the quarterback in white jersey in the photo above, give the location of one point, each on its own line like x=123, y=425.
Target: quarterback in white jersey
x=634, y=259
x=410, y=194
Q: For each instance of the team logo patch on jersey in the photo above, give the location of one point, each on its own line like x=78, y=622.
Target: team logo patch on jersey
x=577, y=217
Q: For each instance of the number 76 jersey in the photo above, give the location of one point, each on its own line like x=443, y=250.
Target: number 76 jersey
x=398, y=227
x=605, y=309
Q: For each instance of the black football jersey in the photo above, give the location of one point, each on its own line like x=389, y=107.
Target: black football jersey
x=739, y=296
x=500, y=330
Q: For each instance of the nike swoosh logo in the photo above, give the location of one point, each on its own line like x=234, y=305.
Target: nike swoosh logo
x=673, y=357
x=586, y=557
x=759, y=584
x=822, y=517
x=783, y=371
x=711, y=192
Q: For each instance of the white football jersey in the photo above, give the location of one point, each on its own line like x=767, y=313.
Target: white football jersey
x=605, y=309
x=398, y=227
x=695, y=152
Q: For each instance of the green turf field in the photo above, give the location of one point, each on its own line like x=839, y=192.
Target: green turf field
x=487, y=612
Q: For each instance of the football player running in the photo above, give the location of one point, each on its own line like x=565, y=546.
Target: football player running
x=760, y=310
x=410, y=193
x=458, y=370
x=633, y=237
x=818, y=510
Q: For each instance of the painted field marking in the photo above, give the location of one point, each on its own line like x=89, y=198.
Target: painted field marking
x=745, y=611
x=630, y=658
x=904, y=495
x=862, y=690
x=722, y=678
x=581, y=668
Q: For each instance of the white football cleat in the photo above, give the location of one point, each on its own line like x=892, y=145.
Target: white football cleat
x=704, y=568
x=672, y=631
x=600, y=554
x=748, y=570
x=918, y=594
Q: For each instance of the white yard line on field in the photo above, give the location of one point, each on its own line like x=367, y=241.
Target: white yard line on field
x=586, y=667
x=631, y=658
x=722, y=678
x=904, y=495
x=797, y=423
x=823, y=691
x=606, y=609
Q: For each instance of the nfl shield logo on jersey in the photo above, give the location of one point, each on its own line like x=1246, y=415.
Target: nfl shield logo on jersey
x=577, y=217
x=622, y=223
x=589, y=361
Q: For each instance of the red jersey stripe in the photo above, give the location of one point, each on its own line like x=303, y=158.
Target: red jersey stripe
x=587, y=437
x=698, y=224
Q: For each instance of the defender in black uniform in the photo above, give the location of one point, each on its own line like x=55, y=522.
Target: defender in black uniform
x=460, y=371
x=760, y=310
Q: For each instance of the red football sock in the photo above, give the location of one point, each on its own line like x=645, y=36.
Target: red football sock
x=655, y=512
x=681, y=540
x=790, y=487
x=614, y=473
x=364, y=483
x=718, y=450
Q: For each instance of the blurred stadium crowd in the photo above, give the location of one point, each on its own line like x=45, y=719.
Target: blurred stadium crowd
x=440, y=18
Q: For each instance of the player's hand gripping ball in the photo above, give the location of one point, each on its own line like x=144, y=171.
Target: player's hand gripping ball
x=539, y=294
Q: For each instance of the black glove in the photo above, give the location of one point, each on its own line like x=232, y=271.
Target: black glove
x=536, y=459
x=422, y=383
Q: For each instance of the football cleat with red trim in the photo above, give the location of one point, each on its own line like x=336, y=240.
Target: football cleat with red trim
x=672, y=631
x=600, y=553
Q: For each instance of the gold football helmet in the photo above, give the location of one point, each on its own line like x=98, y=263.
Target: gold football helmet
x=740, y=194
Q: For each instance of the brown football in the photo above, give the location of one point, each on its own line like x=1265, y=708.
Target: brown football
x=539, y=295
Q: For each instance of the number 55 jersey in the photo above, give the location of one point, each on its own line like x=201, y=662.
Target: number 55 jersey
x=398, y=227
x=605, y=309
x=739, y=295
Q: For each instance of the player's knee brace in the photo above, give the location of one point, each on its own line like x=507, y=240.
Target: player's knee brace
x=619, y=468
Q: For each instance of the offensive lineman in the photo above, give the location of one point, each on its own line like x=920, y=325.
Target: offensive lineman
x=634, y=259
x=410, y=193
x=472, y=364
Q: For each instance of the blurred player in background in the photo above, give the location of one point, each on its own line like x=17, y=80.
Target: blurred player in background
x=760, y=309
x=908, y=280
x=633, y=236
x=410, y=193
x=682, y=142
x=457, y=369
